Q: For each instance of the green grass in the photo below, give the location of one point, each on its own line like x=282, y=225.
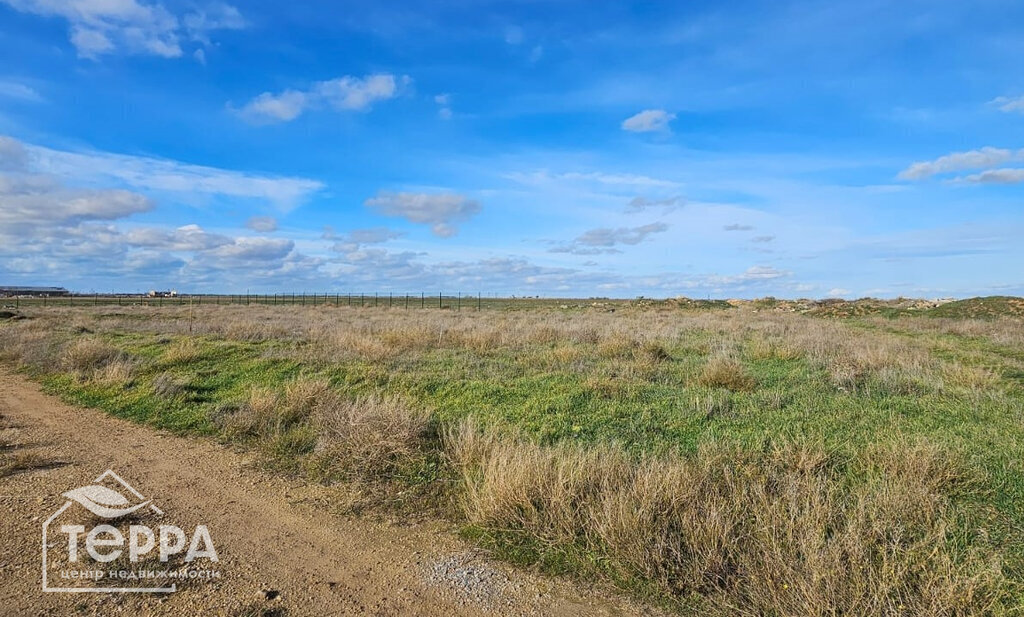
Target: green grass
x=565, y=392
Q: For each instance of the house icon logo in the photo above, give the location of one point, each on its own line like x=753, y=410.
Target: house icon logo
x=108, y=537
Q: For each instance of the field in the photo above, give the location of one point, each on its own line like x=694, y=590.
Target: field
x=759, y=458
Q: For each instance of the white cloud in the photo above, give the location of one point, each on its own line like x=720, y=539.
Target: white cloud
x=1009, y=104
x=639, y=204
x=29, y=200
x=440, y=210
x=246, y=249
x=185, y=238
x=342, y=94
x=267, y=107
x=649, y=120
x=165, y=175
x=216, y=16
x=958, y=161
x=13, y=155
x=542, y=177
x=738, y=227
x=750, y=275
x=444, y=101
x=98, y=27
x=762, y=239
x=262, y=223
x=353, y=240
x=603, y=240
x=1009, y=175
x=838, y=292
x=355, y=94
x=16, y=90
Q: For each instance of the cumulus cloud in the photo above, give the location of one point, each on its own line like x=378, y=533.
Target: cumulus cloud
x=185, y=238
x=649, y=121
x=959, y=161
x=639, y=204
x=1009, y=104
x=28, y=200
x=53, y=227
x=265, y=224
x=353, y=240
x=267, y=107
x=98, y=27
x=439, y=210
x=604, y=240
x=253, y=249
x=342, y=94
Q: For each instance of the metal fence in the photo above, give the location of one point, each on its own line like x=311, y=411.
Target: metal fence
x=422, y=300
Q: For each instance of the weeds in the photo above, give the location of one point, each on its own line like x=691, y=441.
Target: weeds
x=770, y=532
x=728, y=462
x=723, y=372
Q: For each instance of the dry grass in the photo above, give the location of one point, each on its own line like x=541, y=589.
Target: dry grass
x=182, y=351
x=791, y=528
x=766, y=533
x=121, y=371
x=167, y=386
x=88, y=355
x=724, y=372
x=370, y=438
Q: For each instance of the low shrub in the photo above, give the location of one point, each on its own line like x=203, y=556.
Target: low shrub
x=724, y=372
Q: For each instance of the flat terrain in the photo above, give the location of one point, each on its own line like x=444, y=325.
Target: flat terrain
x=271, y=534
x=715, y=458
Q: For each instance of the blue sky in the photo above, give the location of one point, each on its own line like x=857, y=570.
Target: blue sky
x=562, y=148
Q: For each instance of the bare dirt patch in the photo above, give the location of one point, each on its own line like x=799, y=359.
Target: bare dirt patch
x=281, y=552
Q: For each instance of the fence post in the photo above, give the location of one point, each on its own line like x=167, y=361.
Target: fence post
x=406, y=301
x=375, y=299
x=440, y=304
x=460, y=302
x=422, y=299
x=478, y=300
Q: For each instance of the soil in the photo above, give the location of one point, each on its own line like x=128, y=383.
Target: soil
x=282, y=551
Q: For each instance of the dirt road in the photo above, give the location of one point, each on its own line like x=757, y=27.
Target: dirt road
x=281, y=551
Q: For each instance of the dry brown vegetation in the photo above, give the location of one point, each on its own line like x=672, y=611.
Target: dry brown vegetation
x=753, y=533
x=729, y=462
